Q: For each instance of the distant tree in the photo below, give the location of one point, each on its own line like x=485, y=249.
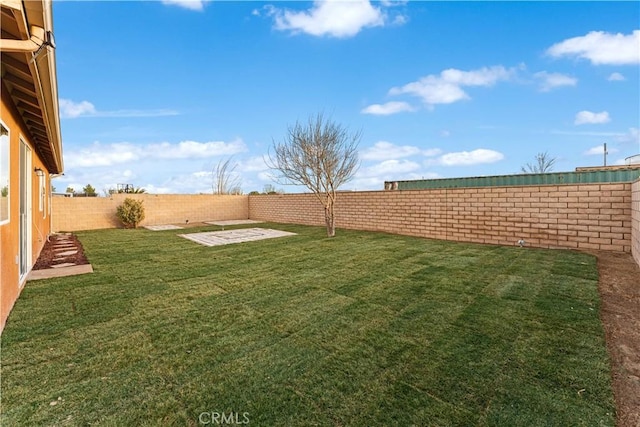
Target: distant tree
x=225, y=181
x=70, y=190
x=53, y=188
x=543, y=164
x=321, y=155
x=254, y=193
x=89, y=191
x=269, y=189
x=127, y=190
x=5, y=191
x=236, y=191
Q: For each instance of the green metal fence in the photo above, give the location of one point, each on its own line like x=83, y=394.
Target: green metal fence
x=554, y=178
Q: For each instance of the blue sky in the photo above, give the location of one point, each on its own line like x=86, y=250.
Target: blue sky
x=156, y=93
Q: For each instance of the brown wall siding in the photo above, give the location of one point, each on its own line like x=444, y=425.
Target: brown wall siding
x=10, y=285
x=593, y=216
x=88, y=213
x=635, y=220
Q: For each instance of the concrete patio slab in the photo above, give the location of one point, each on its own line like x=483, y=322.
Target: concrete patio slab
x=218, y=238
x=232, y=222
x=163, y=227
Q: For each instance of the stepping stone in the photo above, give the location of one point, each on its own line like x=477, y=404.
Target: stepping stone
x=67, y=253
x=65, y=264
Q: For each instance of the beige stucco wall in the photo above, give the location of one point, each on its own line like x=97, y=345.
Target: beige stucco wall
x=10, y=283
x=88, y=213
x=635, y=220
x=593, y=216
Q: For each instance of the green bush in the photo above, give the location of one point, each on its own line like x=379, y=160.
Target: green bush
x=130, y=212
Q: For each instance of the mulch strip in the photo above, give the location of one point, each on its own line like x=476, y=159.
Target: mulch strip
x=619, y=285
x=49, y=257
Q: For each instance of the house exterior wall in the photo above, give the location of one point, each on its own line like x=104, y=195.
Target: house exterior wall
x=10, y=284
x=88, y=213
x=635, y=221
x=590, y=216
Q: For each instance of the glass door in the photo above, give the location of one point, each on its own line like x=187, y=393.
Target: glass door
x=25, y=210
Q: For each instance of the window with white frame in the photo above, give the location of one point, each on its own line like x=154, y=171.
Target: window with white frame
x=4, y=174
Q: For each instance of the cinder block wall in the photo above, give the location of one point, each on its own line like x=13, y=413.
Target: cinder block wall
x=88, y=213
x=590, y=216
x=635, y=220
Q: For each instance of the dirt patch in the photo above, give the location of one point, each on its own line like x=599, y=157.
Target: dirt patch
x=619, y=285
x=61, y=249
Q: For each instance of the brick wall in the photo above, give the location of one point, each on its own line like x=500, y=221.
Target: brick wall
x=589, y=216
x=635, y=220
x=87, y=213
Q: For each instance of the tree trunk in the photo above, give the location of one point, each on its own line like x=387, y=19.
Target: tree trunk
x=329, y=218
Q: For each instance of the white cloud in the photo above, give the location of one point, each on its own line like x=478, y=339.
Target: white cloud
x=400, y=20
x=599, y=150
x=389, y=108
x=334, y=18
x=187, y=4
x=431, y=152
x=195, y=182
x=633, y=135
x=589, y=133
x=616, y=77
x=550, y=81
x=70, y=110
x=601, y=48
x=98, y=154
x=193, y=149
x=466, y=158
x=102, y=155
x=384, y=150
x=136, y=113
x=377, y=182
x=253, y=164
x=101, y=179
x=447, y=87
x=589, y=117
x=392, y=167
x=268, y=176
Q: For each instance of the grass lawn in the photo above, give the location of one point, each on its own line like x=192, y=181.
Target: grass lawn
x=362, y=329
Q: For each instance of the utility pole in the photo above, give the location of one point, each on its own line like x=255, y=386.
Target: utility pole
x=605, y=154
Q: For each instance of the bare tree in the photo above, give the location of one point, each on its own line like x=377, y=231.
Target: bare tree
x=225, y=181
x=543, y=164
x=321, y=155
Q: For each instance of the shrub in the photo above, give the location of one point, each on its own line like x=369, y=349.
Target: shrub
x=130, y=212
